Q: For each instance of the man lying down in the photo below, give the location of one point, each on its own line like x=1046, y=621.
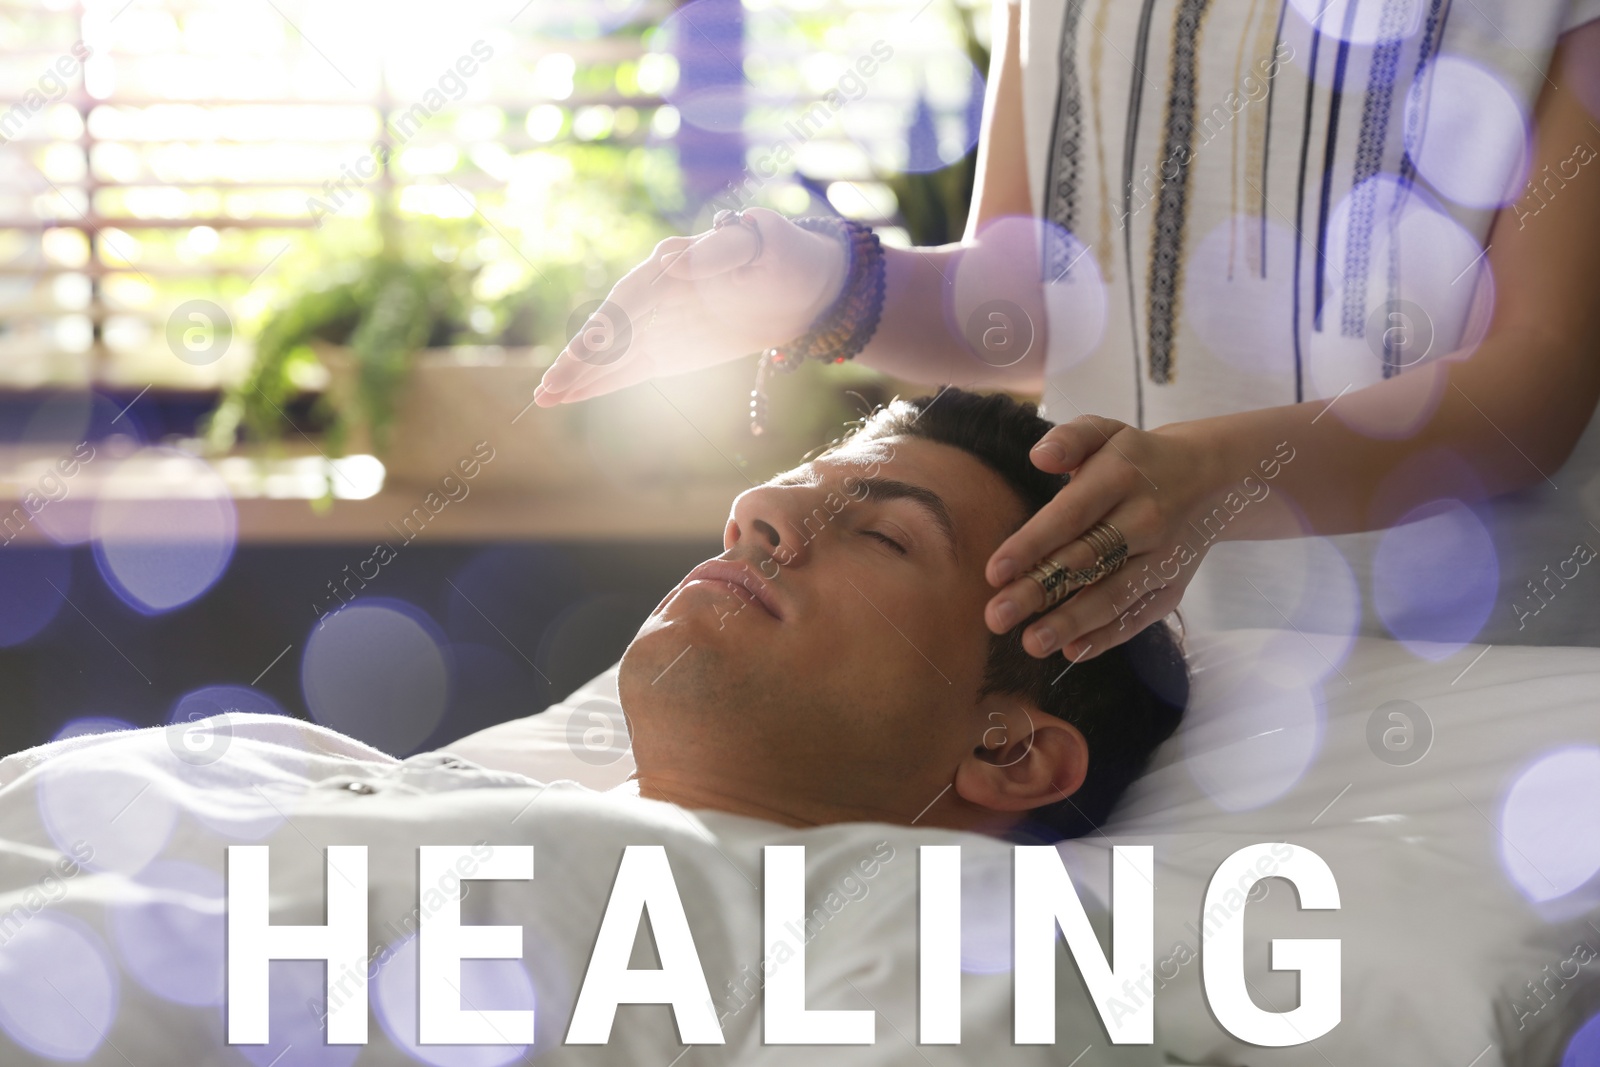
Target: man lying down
x=827, y=682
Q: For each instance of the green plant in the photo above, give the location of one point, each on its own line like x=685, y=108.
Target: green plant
x=384, y=309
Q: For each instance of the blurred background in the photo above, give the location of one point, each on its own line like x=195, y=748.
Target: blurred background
x=277, y=282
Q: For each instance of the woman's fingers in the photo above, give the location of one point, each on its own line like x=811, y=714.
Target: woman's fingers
x=1122, y=624
x=1112, y=483
x=1096, y=490
x=607, y=336
x=602, y=356
x=1025, y=597
x=717, y=252
x=578, y=374
x=607, y=340
x=1066, y=447
x=1108, y=615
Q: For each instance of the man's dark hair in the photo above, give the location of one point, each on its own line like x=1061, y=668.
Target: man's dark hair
x=1127, y=699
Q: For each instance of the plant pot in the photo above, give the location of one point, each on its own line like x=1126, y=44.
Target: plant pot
x=455, y=398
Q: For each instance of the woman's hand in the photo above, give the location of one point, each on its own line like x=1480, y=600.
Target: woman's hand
x=699, y=301
x=1148, y=484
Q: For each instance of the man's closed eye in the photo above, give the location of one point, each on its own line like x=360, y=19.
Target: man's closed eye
x=887, y=540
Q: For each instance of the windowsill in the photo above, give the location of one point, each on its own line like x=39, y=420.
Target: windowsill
x=276, y=502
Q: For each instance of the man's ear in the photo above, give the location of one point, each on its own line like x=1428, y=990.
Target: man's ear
x=1023, y=759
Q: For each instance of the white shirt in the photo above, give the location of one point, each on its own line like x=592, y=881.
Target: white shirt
x=1327, y=232
x=113, y=849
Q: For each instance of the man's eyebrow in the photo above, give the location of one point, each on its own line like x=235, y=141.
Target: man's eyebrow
x=932, y=504
x=801, y=475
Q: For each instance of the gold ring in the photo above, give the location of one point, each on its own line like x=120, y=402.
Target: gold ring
x=1052, y=579
x=1055, y=580
x=1111, y=552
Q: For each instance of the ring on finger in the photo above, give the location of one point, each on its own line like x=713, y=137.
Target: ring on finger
x=1111, y=552
x=1056, y=581
x=726, y=217
x=1053, y=579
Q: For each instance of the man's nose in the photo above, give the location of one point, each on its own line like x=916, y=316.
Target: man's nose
x=771, y=519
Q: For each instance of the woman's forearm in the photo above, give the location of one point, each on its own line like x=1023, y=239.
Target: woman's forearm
x=933, y=299
x=1458, y=427
x=1511, y=410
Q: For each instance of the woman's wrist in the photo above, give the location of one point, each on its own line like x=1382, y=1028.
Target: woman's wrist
x=1215, y=480
x=1233, y=492
x=832, y=258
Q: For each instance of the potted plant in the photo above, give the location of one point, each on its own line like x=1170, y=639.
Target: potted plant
x=379, y=312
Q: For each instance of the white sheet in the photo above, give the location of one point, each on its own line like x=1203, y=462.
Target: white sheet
x=1439, y=943
x=124, y=965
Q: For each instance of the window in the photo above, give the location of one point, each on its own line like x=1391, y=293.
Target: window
x=164, y=156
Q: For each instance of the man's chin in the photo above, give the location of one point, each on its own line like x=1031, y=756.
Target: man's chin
x=683, y=654
x=661, y=648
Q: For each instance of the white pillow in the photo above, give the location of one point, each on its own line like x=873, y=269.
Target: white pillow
x=1437, y=940
x=582, y=739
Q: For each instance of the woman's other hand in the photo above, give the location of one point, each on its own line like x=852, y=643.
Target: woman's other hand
x=700, y=301
x=1149, y=485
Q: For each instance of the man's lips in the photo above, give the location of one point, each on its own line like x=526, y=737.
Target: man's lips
x=746, y=583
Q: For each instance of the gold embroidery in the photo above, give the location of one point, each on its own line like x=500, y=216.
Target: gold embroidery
x=1103, y=246
x=1233, y=160
x=1256, y=131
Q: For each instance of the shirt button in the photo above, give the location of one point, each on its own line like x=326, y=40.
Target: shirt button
x=360, y=787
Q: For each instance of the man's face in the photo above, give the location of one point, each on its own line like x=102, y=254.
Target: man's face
x=834, y=652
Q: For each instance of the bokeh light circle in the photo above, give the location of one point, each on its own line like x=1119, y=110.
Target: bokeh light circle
x=1584, y=1048
x=70, y=520
x=1361, y=23
x=707, y=37
x=1000, y=333
x=1075, y=299
x=1249, y=739
x=1550, y=824
x=171, y=936
x=486, y=985
x=1466, y=133
x=33, y=588
x=1435, y=576
x=1041, y=270
x=212, y=700
x=58, y=990
x=377, y=669
x=68, y=439
x=160, y=554
x=1391, y=246
x=115, y=812
x=1232, y=295
x=89, y=725
x=200, y=729
x=1304, y=590
x=211, y=747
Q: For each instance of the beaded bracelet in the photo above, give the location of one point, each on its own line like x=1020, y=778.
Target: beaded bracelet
x=844, y=329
